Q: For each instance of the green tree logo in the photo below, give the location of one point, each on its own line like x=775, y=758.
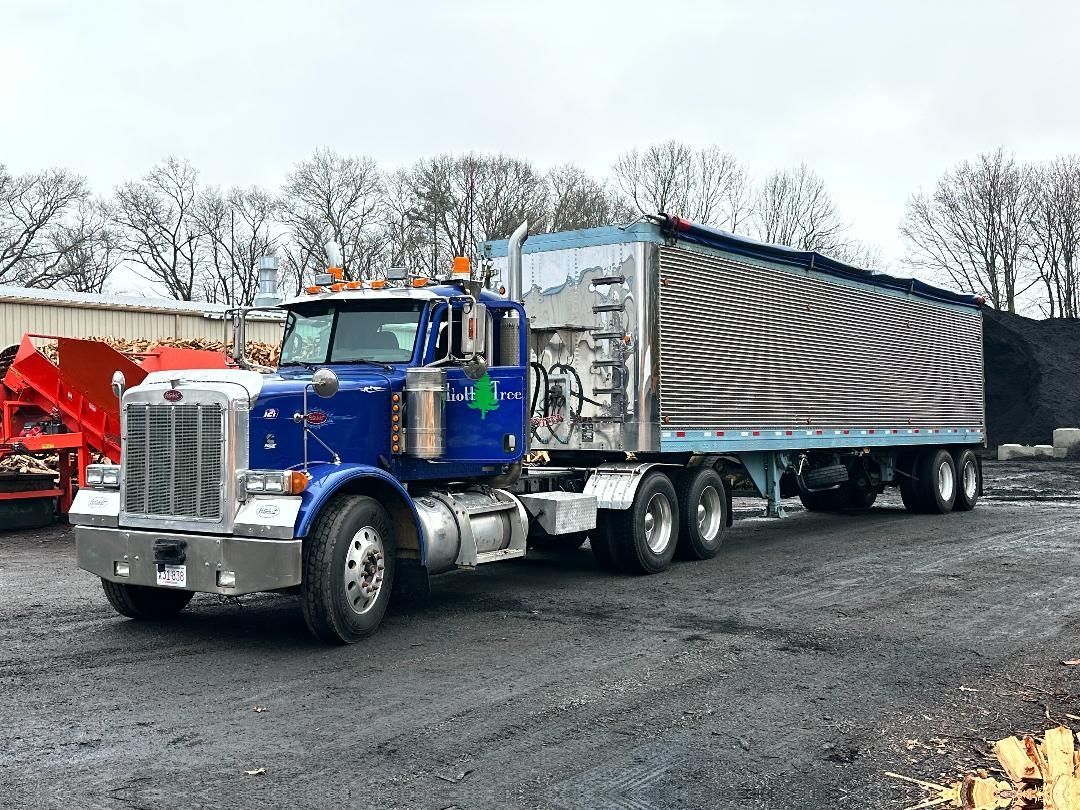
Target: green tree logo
x=484, y=399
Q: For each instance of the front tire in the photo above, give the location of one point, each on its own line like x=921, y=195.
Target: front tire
x=348, y=569
x=144, y=602
x=644, y=537
x=703, y=512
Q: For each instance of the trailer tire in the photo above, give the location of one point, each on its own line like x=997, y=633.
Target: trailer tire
x=144, y=602
x=703, y=506
x=935, y=481
x=348, y=569
x=643, y=538
x=826, y=500
x=968, y=480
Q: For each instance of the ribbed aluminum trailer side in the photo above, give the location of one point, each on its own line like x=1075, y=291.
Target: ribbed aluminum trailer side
x=667, y=350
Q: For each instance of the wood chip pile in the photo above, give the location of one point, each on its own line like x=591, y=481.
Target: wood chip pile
x=264, y=354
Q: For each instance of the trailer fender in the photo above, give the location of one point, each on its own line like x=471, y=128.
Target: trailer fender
x=363, y=479
x=614, y=484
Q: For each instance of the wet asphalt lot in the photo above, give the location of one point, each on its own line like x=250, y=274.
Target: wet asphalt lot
x=814, y=654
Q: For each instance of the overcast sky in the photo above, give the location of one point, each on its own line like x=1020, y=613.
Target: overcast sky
x=879, y=99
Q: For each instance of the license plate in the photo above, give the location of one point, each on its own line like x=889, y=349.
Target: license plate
x=172, y=576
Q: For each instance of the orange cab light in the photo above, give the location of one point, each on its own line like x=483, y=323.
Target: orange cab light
x=336, y=272
x=397, y=448
x=378, y=284
x=397, y=408
x=313, y=290
x=396, y=397
x=462, y=266
x=353, y=285
x=421, y=282
x=297, y=482
x=337, y=287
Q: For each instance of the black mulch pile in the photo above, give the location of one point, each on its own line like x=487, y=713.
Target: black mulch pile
x=1032, y=377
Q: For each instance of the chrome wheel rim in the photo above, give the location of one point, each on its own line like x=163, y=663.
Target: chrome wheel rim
x=365, y=570
x=709, y=514
x=658, y=524
x=946, y=480
x=971, y=480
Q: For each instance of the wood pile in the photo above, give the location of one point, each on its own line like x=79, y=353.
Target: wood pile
x=24, y=465
x=1039, y=775
x=263, y=354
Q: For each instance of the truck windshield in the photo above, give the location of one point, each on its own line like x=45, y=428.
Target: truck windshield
x=349, y=332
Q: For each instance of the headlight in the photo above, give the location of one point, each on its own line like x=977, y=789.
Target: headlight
x=104, y=476
x=276, y=482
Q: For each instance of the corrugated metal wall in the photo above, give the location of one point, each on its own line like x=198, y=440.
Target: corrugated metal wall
x=743, y=345
x=66, y=320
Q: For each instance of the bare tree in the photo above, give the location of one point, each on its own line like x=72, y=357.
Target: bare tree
x=409, y=241
x=793, y=207
x=332, y=196
x=858, y=254
x=32, y=209
x=577, y=200
x=239, y=228
x=973, y=229
x=1054, y=232
x=88, y=248
x=706, y=185
x=465, y=199
x=159, y=229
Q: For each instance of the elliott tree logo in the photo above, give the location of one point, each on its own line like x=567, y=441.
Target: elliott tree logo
x=484, y=398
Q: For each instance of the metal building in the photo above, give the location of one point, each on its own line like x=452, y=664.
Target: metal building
x=71, y=314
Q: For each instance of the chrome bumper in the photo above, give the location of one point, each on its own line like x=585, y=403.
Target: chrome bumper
x=259, y=564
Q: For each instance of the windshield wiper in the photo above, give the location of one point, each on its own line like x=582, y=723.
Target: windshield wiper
x=376, y=363
x=303, y=363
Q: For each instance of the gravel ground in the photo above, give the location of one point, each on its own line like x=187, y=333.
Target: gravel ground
x=814, y=654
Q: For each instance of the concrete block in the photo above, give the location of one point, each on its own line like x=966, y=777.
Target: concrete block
x=1061, y=452
x=1065, y=438
x=1009, y=452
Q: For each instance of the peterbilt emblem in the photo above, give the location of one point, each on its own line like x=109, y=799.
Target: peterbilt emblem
x=172, y=395
x=98, y=502
x=267, y=511
x=316, y=417
x=270, y=413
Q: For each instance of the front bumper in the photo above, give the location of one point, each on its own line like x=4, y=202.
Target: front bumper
x=259, y=564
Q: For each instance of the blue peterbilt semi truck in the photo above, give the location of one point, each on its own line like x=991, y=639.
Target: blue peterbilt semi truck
x=611, y=392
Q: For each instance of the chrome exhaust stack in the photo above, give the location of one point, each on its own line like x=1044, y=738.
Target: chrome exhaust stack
x=513, y=263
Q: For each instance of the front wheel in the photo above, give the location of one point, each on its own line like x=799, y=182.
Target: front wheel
x=348, y=569
x=144, y=602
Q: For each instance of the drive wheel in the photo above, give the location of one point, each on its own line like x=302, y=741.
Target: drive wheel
x=348, y=572
x=644, y=537
x=935, y=481
x=600, y=540
x=969, y=480
x=144, y=602
x=703, y=509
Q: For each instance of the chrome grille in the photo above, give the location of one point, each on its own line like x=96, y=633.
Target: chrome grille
x=173, y=460
x=743, y=345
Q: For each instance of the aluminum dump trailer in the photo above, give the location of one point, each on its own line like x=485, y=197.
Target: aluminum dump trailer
x=673, y=337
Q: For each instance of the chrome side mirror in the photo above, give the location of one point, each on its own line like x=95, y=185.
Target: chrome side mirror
x=475, y=368
x=325, y=383
x=119, y=383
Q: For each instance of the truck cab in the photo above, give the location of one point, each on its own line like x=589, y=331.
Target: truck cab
x=379, y=446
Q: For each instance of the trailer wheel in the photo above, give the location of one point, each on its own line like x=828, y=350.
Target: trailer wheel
x=600, y=540
x=144, y=602
x=969, y=480
x=703, y=509
x=827, y=500
x=644, y=537
x=935, y=481
x=348, y=569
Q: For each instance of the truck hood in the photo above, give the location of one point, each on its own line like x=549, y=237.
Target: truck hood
x=355, y=422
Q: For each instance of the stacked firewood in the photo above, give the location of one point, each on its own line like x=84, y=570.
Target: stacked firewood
x=263, y=354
